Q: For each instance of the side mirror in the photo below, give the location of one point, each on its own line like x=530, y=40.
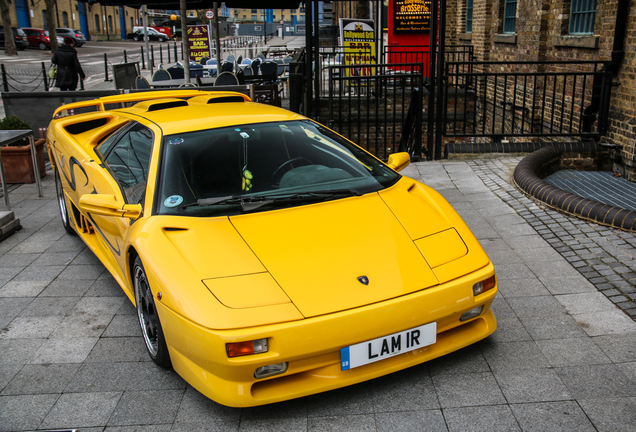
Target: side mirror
x=399, y=161
x=107, y=205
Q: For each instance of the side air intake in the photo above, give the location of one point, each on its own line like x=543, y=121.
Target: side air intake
x=225, y=99
x=165, y=105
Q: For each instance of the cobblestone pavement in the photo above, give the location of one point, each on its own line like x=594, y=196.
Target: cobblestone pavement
x=563, y=357
x=604, y=256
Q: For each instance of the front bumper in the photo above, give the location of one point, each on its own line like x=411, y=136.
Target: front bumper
x=312, y=346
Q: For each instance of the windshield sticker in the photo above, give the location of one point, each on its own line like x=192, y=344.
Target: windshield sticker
x=175, y=141
x=173, y=201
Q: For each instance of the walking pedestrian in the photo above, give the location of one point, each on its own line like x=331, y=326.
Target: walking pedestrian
x=68, y=66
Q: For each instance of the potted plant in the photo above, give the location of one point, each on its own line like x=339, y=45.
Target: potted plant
x=16, y=157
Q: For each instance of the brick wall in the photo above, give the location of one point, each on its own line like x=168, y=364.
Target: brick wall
x=542, y=34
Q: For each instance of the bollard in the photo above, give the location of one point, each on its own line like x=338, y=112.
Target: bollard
x=82, y=84
x=143, y=60
x=152, y=59
x=46, y=78
x=161, y=54
x=175, y=51
x=125, y=57
x=168, y=49
x=106, y=67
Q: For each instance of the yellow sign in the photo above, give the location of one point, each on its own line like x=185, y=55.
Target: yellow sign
x=358, y=39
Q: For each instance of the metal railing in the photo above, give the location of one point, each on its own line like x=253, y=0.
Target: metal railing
x=504, y=99
x=369, y=104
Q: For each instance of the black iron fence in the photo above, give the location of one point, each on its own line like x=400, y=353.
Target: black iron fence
x=521, y=99
x=370, y=103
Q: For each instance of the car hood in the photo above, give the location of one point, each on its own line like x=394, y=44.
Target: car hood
x=331, y=256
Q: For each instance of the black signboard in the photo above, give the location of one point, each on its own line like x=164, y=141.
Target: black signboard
x=412, y=16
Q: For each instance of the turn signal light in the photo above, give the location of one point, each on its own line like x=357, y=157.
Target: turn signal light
x=485, y=285
x=238, y=349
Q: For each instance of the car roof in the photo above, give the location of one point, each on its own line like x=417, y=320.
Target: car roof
x=185, y=111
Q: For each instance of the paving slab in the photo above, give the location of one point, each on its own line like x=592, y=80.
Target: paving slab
x=563, y=357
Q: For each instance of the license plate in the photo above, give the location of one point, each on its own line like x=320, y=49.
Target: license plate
x=387, y=346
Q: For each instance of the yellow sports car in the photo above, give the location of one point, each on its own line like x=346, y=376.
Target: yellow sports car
x=268, y=257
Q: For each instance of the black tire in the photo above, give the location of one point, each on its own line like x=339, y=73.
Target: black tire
x=42, y=46
x=160, y=39
x=61, y=203
x=149, y=318
x=136, y=38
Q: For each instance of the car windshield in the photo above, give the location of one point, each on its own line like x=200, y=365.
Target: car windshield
x=261, y=167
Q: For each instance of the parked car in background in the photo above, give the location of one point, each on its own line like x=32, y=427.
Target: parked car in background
x=138, y=35
x=20, y=38
x=76, y=35
x=39, y=38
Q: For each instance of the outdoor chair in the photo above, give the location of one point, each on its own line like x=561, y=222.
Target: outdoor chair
x=161, y=75
x=227, y=66
x=176, y=72
x=226, y=78
x=269, y=70
x=141, y=83
x=256, y=64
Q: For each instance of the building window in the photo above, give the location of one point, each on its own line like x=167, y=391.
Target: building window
x=110, y=23
x=254, y=11
x=469, y=16
x=97, y=23
x=44, y=24
x=510, y=16
x=65, y=19
x=582, y=14
x=131, y=23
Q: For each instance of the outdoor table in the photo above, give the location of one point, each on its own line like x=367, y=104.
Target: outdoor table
x=8, y=137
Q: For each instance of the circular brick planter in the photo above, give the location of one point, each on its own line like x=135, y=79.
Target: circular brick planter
x=526, y=179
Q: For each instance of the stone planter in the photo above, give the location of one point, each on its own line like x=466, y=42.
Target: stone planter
x=18, y=165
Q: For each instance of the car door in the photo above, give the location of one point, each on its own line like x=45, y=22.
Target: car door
x=122, y=172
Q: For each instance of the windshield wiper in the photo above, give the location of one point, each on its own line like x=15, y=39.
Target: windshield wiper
x=253, y=202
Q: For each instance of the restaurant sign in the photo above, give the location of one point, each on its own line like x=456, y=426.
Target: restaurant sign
x=358, y=38
x=412, y=16
x=198, y=42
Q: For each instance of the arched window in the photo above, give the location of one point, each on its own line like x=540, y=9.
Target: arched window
x=110, y=23
x=44, y=22
x=65, y=19
x=97, y=23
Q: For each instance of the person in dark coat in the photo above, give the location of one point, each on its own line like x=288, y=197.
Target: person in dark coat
x=68, y=66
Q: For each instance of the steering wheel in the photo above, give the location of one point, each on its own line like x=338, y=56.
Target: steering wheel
x=284, y=167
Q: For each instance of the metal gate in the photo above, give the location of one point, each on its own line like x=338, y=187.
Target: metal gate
x=377, y=106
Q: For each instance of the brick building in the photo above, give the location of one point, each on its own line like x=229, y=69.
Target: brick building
x=554, y=30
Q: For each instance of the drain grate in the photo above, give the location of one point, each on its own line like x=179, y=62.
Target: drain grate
x=599, y=186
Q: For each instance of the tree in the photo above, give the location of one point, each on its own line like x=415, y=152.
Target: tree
x=9, y=40
x=50, y=21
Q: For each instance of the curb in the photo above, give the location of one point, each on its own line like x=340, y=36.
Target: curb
x=528, y=182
